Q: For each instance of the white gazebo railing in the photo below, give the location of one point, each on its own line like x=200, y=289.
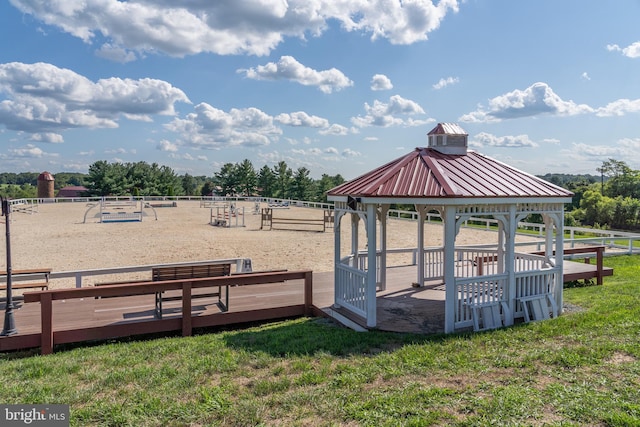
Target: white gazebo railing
x=536, y=283
x=350, y=291
x=477, y=291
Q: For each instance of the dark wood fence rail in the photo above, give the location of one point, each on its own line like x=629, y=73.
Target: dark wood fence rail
x=185, y=323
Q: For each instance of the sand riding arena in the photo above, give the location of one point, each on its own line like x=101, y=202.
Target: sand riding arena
x=57, y=237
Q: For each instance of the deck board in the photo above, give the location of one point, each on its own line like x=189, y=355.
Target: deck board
x=400, y=308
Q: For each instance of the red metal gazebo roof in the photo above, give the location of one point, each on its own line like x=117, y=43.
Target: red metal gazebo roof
x=426, y=172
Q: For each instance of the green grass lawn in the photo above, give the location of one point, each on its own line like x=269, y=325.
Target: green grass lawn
x=580, y=369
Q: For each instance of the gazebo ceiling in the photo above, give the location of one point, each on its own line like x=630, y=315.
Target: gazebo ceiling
x=428, y=173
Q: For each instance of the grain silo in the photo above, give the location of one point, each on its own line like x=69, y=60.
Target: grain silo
x=45, y=186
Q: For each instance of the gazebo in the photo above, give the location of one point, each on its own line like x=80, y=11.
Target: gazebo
x=485, y=287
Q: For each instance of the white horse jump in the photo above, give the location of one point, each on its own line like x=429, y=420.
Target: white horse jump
x=227, y=216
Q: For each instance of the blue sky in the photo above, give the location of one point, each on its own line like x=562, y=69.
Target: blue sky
x=336, y=86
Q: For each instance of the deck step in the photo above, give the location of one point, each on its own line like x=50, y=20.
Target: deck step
x=344, y=320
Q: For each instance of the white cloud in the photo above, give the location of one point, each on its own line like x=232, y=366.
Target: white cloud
x=585, y=76
x=387, y=114
x=120, y=151
x=44, y=99
x=211, y=128
x=165, y=145
x=116, y=53
x=50, y=137
x=598, y=151
x=348, y=152
x=335, y=129
x=631, y=51
x=300, y=118
x=512, y=141
x=288, y=68
x=535, y=100
x=444, y=82
x=381, y=82
x=619, y=108
x=29, y=151
x=254, y=27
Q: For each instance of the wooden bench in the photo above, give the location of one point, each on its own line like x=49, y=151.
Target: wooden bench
x=184, y=272
x=39, y=272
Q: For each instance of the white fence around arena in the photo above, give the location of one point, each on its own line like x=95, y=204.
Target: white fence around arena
x=619, y=242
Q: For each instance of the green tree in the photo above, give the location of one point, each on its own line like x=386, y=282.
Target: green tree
x=623, y=181
x=267, y=182
x=283, y=176
x=227, y=179
x=326, y=183
x=208, y=188
x=302, y=185
x=107, y=179
x=189, y=184
x=247, y=178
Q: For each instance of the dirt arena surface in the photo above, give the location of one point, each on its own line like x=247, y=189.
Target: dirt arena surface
x=56, y=237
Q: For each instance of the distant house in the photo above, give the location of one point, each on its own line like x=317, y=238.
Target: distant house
x=72, y=191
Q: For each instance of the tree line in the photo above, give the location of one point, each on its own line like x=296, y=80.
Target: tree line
x=144, y=179
x=608, y=200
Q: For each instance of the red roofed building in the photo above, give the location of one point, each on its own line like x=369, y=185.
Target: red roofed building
x=459, y=184
x=72, y=191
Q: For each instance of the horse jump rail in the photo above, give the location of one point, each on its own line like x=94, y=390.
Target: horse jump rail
x=296, y=224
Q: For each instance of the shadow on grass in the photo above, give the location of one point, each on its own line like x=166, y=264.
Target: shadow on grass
x=311, y=336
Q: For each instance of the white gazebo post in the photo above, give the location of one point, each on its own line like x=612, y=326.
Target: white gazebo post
x=559, y=258
x=383, y=246
x=510, y=261
x=421, y=209
x=337, y=256
x=449, y=268
x=355, y=220
x=371, y=266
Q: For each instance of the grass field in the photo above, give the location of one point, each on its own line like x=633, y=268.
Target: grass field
x=580, y=369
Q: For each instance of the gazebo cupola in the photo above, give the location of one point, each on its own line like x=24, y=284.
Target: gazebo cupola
x=448, y=138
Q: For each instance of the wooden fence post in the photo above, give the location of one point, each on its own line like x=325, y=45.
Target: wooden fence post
x=186, y=309
x=308, y=293
x=46, y=321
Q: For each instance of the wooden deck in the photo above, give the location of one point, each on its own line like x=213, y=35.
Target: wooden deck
x=400, y=308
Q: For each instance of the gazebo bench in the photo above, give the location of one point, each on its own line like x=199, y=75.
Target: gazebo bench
x=538, y=307
x=487, y=313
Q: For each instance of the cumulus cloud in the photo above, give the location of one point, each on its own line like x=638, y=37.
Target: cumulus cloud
x=28, y=151
x=336, y=130
x=585, y=76
x=50, y=137
x=165, y=145
x=116, y=53
x=619, y=108
x=253, y=27
x=512, y=141
x=381, y=82
x=631, y=51
x=387, y=114
x=44, y=99
x=288, y=68
x=535, y=100
x=444, y=82
x=302, y=119
x=211, y=128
